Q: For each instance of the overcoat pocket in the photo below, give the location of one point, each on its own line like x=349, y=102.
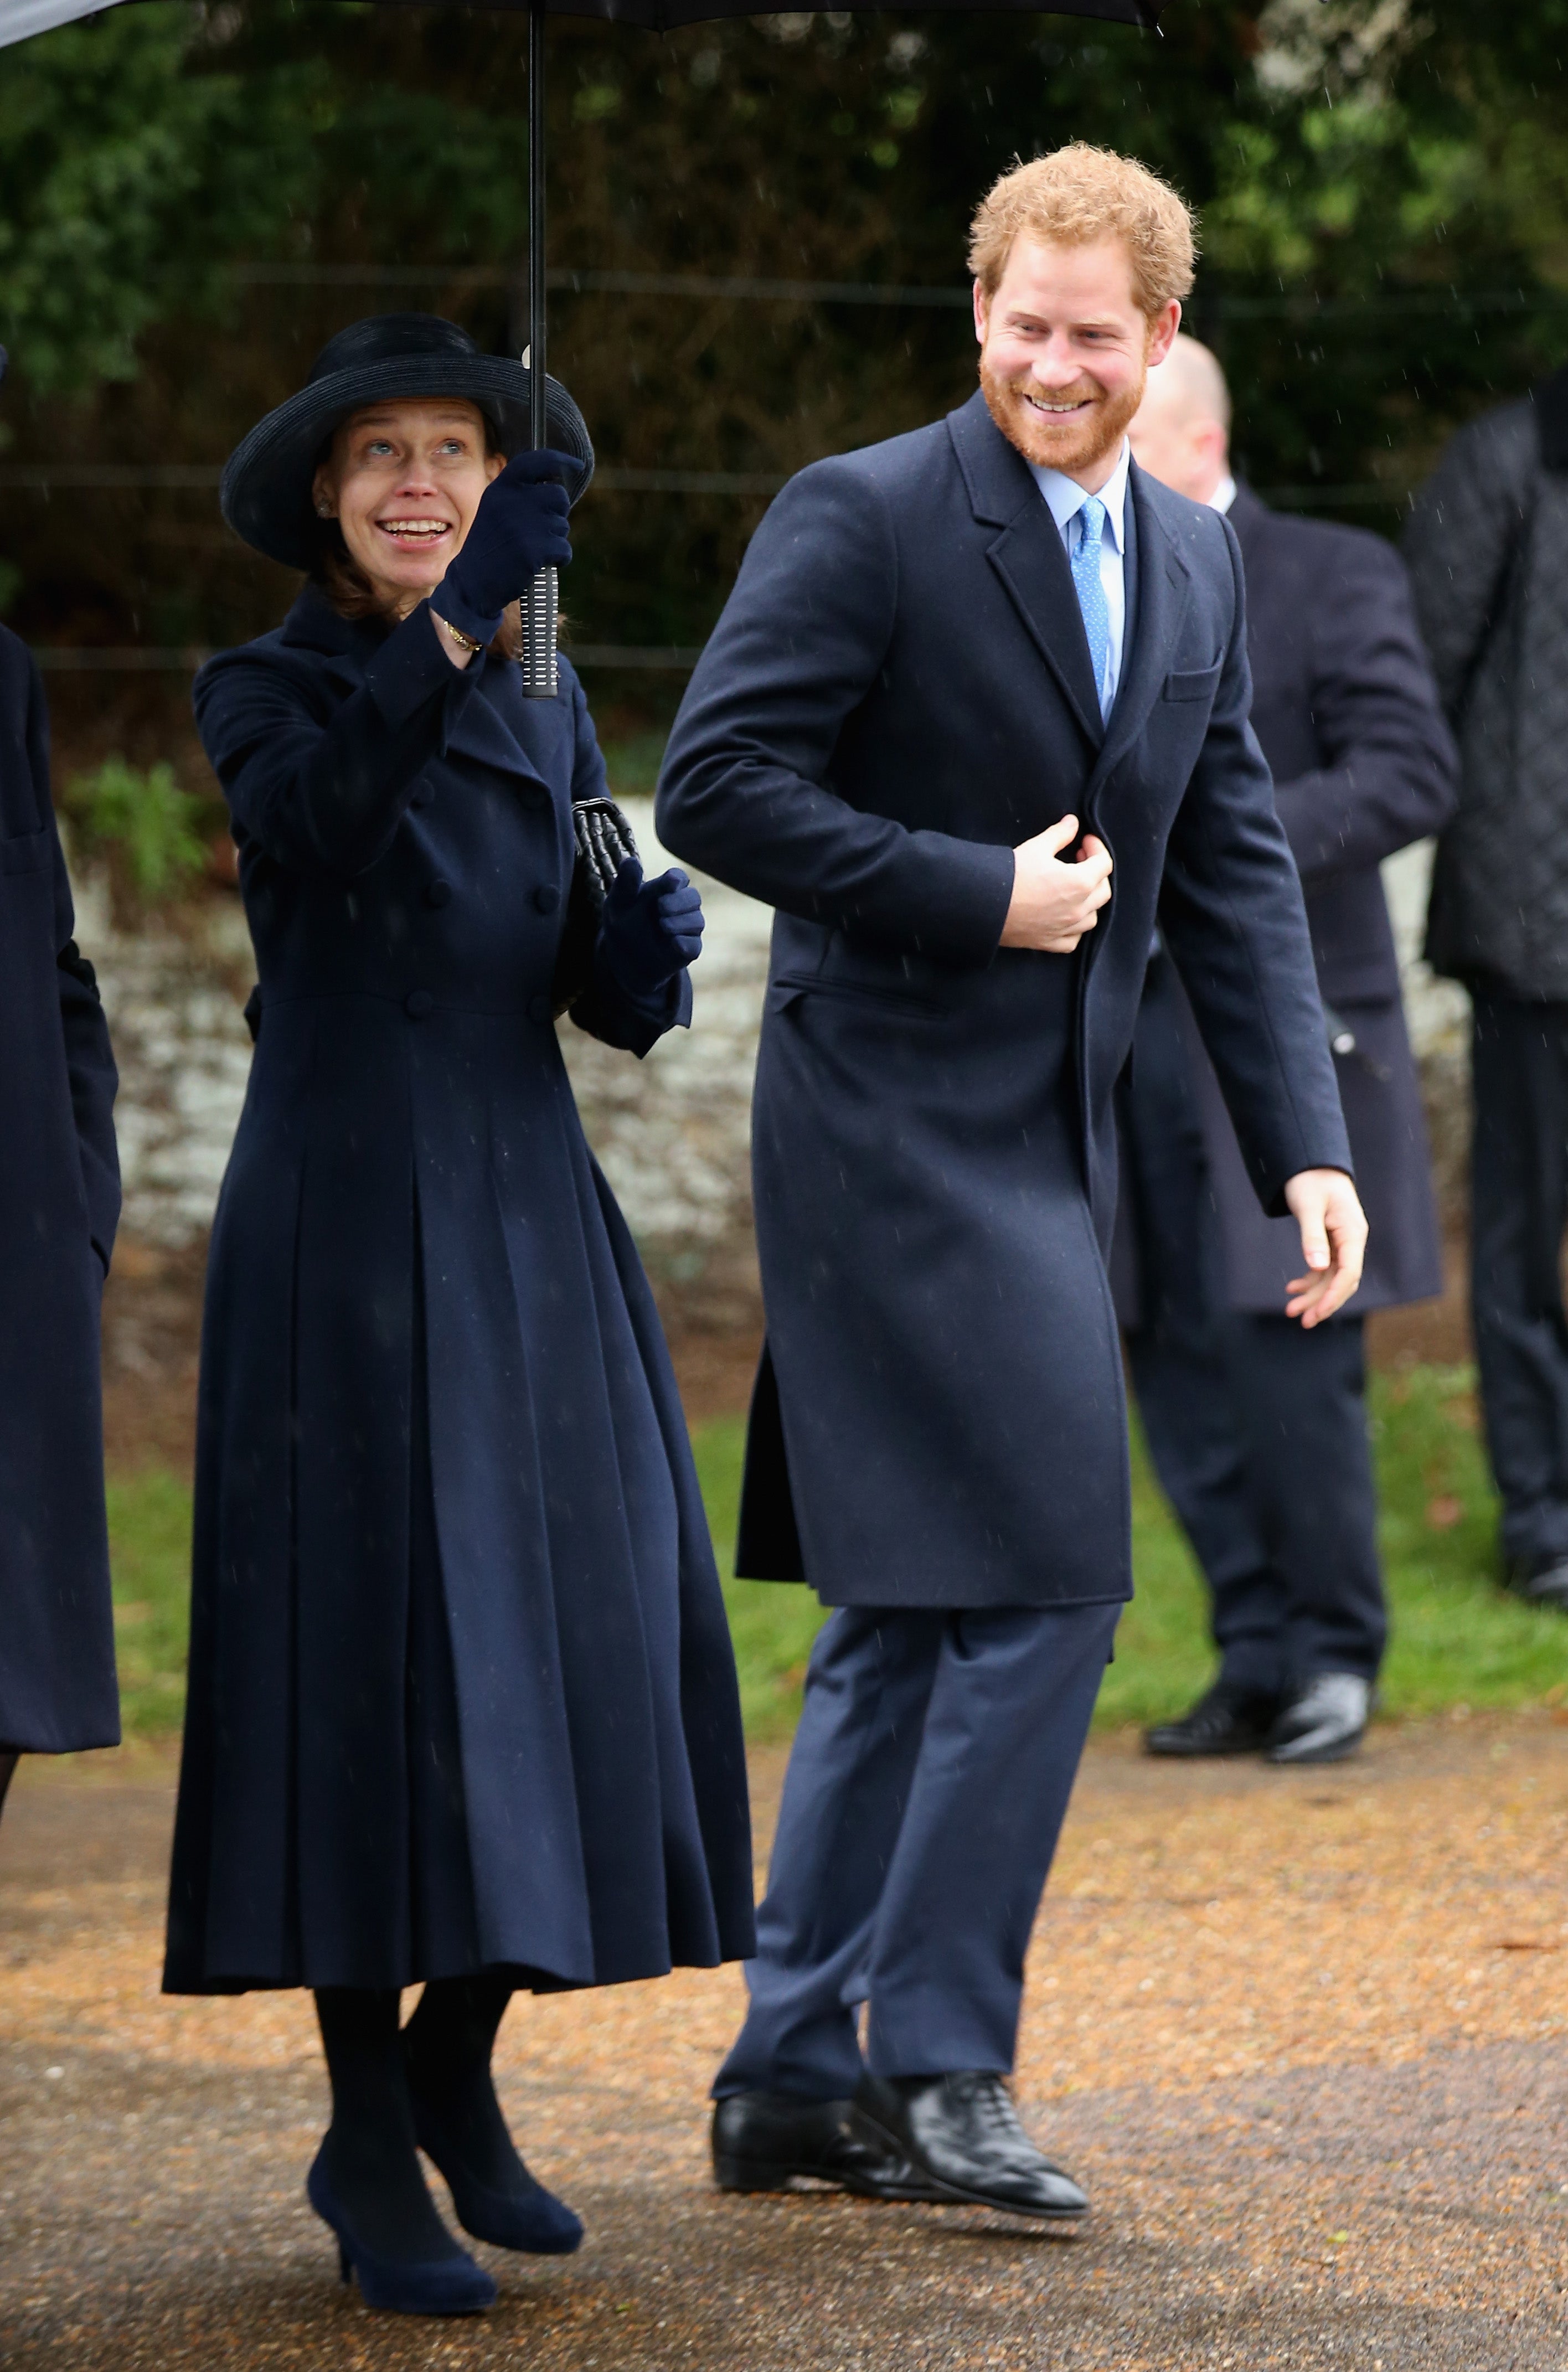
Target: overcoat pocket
x=1193, y=683
x=24, y=853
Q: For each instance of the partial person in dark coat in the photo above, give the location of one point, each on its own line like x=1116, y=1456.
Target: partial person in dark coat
x=1245, y=1412
x=949, y=662
x=59, y=1208
x=462, y=1704
x=1488, y=548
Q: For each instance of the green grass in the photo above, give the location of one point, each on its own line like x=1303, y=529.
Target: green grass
x=149, y=1546
x=1456, y=1639
x=632, y=762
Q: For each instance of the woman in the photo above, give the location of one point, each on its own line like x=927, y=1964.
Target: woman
x=462, y=1706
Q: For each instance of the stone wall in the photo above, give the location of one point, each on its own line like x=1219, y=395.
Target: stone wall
x=671, y=1132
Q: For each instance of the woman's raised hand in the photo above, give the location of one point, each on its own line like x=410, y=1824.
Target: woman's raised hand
x=518, y=528
x=650, y=930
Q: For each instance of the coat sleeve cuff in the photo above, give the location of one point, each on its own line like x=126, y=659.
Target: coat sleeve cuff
x=411, y=668
x=971, y=889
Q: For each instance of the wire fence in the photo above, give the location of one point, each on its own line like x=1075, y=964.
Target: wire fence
x=1304, y=307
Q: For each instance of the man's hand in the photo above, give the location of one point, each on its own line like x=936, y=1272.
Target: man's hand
x=1333, y=1243
x=1053, y=904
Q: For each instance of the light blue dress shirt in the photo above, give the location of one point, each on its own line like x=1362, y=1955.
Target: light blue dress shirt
x=1064, y=499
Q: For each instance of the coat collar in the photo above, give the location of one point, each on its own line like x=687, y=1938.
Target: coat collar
x=484, y=726
x=1247, y=515
x=312, y=624
x=1027, y=554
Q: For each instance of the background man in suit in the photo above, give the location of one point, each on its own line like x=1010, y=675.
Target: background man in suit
x=1488, y=549
x=961, y=676
x=1257, y=1428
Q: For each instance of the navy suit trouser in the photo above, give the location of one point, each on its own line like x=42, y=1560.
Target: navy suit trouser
x=1259, y=1435
x=925, y=1792
x=1257, y=1427
x=1519, y=1207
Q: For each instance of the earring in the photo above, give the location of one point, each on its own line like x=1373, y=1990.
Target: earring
x=323, y=510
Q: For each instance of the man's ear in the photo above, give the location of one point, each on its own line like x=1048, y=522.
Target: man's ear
x=982, y=312
x=1162, y=335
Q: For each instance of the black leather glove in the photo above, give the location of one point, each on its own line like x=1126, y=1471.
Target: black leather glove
x=518, y=528
x=650, y=930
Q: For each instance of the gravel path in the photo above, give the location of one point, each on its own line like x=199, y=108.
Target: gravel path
x=1305, y=2036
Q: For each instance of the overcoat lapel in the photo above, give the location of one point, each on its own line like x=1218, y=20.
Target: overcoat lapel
x=1028, y=555
x=1163, y=589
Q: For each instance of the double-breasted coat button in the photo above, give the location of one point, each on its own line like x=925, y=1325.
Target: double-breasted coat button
x=547, y=897
x=439, y=893
x=418, y=1003
x=538, y=1008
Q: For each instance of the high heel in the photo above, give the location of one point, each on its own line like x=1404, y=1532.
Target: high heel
x=533, y=2221
x=447, y=2285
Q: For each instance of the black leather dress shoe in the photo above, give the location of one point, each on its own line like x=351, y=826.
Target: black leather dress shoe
x=1325, y=1722
x=1540, y=1581
x=962, y=2132
x=1230, y=1719
x=771, y=2141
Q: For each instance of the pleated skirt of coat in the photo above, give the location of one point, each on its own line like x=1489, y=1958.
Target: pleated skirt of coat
x=462, y=1689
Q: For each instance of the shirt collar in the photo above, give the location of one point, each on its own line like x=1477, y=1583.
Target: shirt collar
x=1223, y=493
x=1065, y=497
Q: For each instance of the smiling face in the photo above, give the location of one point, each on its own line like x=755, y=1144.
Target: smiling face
x=1064, y=349
x=403, y=482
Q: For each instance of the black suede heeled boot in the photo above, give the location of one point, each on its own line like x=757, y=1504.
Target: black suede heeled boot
x=367, y=2183
x=459, y=2126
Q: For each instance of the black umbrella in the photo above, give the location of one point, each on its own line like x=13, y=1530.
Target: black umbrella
x=19, y=19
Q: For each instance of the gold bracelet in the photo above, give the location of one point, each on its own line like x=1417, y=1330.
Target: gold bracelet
x=464, y=641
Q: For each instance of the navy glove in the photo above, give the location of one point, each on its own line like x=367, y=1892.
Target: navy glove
x=518, y=528
x=650, y=930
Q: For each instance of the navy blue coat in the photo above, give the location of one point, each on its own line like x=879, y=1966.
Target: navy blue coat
x=461, y=1688
x=900, y=689
x=59, y=1207
x=1346, y=710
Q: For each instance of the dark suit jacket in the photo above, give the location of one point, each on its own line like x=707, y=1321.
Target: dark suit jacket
x=897, y=692
x=59, y=1206
x=1346, y=710
x=1344, y=705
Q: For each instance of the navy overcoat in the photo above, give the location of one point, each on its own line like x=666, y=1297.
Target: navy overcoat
x=900, y=691
x=59, y=1207
x=1346, y=710
x=462, y=1689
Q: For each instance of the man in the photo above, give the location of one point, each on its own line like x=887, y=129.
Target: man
x=59, y=1206
x=1488, y=550
x=1245, y=1412
x=961, y=677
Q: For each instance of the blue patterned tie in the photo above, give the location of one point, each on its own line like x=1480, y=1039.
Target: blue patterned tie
x=1091, y=593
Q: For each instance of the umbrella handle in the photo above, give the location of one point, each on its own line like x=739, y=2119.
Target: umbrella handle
x=541, y=612
x=542, y=602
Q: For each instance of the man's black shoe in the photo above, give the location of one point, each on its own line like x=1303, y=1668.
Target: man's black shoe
x=1540, y=1581
x=1325, y=1722
x=961, y=2131
x=771, y=2141
x=1232, y=1719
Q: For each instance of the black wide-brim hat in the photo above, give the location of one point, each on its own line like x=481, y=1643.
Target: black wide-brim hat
x=266, y=491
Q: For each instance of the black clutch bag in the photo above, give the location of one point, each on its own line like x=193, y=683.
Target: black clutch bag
x=604, y=842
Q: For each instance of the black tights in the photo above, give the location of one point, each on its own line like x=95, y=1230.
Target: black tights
x=436, y=2072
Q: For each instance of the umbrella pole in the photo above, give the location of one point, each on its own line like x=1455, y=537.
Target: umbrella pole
x=541, y=603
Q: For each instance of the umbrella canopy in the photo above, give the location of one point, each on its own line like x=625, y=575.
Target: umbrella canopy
x=20, y=18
